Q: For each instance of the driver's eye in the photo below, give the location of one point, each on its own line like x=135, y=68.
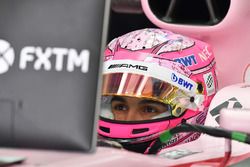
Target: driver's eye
x=120, y=107
x=149, y=109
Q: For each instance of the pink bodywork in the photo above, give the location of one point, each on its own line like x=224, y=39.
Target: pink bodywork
x=230, y=40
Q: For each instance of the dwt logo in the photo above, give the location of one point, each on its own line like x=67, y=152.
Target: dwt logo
x=181, y=82
x=231, y=103
x=44, y=59
x=7, y=56
x=187, y=61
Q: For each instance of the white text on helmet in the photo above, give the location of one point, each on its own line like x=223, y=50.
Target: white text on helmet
x=139, y=67
x=205, y=54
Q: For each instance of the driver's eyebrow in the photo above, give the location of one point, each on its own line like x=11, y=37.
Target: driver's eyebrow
x=146, y=101
x=116, y=98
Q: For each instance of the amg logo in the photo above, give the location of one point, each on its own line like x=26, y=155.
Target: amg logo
x=139, y=67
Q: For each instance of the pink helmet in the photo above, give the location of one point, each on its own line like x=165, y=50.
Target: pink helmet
x=162, y=66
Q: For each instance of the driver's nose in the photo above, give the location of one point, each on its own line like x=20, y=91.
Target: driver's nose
x=133, y=115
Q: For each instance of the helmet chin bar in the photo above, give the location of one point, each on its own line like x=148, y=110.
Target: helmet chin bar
x=130, y=130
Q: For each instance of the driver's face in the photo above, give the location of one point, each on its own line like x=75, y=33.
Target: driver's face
x=135, y=109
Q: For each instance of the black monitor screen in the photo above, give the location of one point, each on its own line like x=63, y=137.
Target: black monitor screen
x=50, y=52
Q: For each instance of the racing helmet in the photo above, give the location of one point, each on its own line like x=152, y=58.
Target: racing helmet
x=156, y=66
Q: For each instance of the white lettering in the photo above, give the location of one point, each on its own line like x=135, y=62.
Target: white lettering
x=78, y=60
x=60, y=53
x=205, y=54
x=43, y=59
x=26, y=56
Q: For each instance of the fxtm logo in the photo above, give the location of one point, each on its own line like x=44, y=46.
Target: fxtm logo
x=139, y=67
x=44, y=59
x=181, y=82
x=7, y=56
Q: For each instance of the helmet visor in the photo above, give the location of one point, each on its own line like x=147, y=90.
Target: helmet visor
x=151, y=97
x=136, y=85
x=150, y=81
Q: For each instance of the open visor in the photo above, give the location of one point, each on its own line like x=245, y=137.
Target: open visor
x=146, y=87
